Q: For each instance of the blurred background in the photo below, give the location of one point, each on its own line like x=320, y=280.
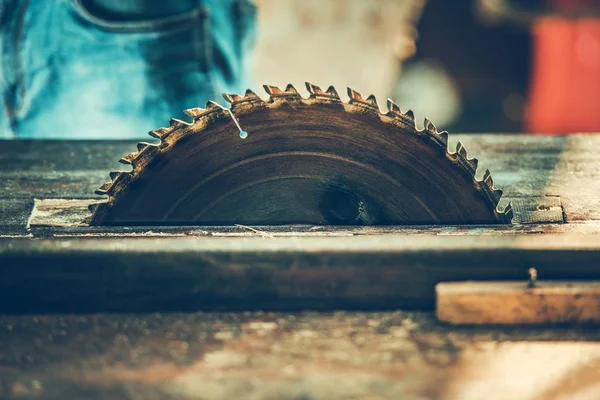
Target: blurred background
x=116, y=69
x=438, y=58
x=468, y=65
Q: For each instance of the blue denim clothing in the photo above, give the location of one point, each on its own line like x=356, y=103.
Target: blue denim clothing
x=69, y=71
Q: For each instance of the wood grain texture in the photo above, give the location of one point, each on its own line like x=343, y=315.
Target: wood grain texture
x=509, y=303
x=73, y=274
x=64, y=216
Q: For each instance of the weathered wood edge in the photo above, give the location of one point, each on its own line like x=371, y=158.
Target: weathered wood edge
x=71, y=214
x=516, y=303
x=363, y=272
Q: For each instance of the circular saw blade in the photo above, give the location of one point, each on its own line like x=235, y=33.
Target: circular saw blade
x=295, y=160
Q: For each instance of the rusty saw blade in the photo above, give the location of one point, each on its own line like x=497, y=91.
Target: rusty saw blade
x=295, y=160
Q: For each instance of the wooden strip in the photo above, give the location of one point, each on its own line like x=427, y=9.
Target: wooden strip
x=74, y=212
x=284, y=273
x=14, y=214
x=536, y=209
x=510, y=303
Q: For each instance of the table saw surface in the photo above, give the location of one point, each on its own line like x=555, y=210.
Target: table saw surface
x=152, y=274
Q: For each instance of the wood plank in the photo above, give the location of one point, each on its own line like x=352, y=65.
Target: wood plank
x=511, y=303
x=64, y=214
x=536, y=209
x=14, y=214
x=42, y=156
x=567, y=166
x=281, y=273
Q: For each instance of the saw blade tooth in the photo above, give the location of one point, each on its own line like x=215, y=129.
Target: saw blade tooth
x=272, y=90
x=212, y=105
x=370, y=103
x=428, y=125
x=108, y=187
x=425, y=123
x=497, y=194
x=127, y=160
x=102, y=190
x=508, y=212
x=487, y=179
x=333, y=93
x=175, y=123
x=141, y=146
x=291, y=90
x=313, y=89
x=132, y=158
x=251, y=96
x=232, y=98
x=238, y=101
x=354, y=95
x=443, y=136
x=159, y=133
x=410, y=115
x=494, y=194
x=393, y=107
x=93, y=207
x=460, y=150
x=330, y=96
x=474, y=163
x=193, y=112
x=372, y=100
x=114, y=174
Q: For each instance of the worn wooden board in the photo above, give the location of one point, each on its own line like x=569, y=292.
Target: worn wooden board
x=291, y=273
x=14, y=216
x=62, y=215
x=510, y=303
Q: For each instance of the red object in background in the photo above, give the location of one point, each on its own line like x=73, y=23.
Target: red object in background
x=565, y=91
